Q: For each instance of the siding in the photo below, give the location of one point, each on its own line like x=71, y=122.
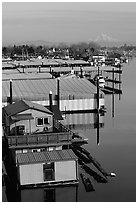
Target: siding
x=65, y=171
x=31, y=174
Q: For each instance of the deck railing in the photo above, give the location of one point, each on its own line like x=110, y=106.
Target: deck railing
x=38, y=139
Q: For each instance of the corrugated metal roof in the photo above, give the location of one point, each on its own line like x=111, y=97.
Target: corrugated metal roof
x=22, y=105
x=25, y=76
x=38, y=89
x=51, y=156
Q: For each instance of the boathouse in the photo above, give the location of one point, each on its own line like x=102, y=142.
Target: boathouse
x=54, y=167
x=71, y=94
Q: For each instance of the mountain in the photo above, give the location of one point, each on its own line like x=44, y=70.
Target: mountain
x=105, y=40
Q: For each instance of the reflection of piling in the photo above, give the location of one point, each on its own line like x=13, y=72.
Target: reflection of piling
x=119, y=86
x=113, y=105
x=98, y=137
x=113, y=94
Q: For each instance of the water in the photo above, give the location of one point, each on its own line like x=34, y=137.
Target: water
x=116, y=151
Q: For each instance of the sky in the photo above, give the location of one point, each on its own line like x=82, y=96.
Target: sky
x=67, y=21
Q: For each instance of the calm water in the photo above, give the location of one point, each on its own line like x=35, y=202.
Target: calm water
x=116, y=152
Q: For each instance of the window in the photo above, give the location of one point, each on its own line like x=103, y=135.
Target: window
x=34, y=150
x=48, y=170
x=42, y=121
x=46, y=121
x=39, y=121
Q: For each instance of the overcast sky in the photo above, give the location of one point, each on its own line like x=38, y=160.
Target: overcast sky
x=67, y=21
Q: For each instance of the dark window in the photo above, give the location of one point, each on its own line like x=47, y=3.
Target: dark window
x=42, y=121
x=48, y=170
x=34, y=150
x=46, y=121
x=39, y=121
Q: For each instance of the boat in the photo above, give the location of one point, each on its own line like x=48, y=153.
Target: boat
x=87, y=183
x=100, y=79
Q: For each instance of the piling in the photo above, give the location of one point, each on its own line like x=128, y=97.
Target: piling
x=50, y=100
x=58, y=93
x=97, y=94
x=39, y=69
x=113, y=94
x=10, y=91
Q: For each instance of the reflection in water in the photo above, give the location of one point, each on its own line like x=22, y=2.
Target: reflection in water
x=113, y=105
x=83, y=121
x=120, y=85
x=49, y=194
x=56, y=194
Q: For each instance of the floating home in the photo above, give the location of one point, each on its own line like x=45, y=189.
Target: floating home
x=70, y=94
x=29, y=127
x=39, y=152
x=47, y=167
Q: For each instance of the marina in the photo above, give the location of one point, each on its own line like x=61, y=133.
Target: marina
x=57, y=141
x=68, y=102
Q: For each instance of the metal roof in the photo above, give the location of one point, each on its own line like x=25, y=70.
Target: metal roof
x=50, y=156
x=23, y=76
x=38, y=89
x=22, y=105
x=9, y=71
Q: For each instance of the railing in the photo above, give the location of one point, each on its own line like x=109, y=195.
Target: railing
x=61, y=128
x=38, y=139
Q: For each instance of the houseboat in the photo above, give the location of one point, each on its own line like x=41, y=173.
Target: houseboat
x=38, y=152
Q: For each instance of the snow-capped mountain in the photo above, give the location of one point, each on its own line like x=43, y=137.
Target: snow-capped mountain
x=105, y=40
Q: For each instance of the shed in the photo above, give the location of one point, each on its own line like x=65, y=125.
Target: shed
x=47, y=167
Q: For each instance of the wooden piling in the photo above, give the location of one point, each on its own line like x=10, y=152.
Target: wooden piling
x=10, y=91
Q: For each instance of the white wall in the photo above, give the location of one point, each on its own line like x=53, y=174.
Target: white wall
x=31, y=174
x=65, y=171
